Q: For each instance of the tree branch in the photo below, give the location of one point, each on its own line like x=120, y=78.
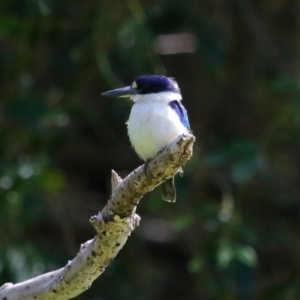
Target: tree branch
x=113, y=225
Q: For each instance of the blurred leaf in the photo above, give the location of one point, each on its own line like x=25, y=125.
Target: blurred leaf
x=23, y=262
x=284, y=85
x=212, y=43
x=52, y=181
x=26, y=110
x=247, y=255
x=183, y=222
x=242, y=156
x=225, y=255
x=230, y=251
x=196, y=264
x=9, y=27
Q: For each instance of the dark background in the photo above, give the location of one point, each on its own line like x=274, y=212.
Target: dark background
x=234, y=231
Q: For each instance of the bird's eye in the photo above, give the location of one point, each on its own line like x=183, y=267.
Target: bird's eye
x=134, y=85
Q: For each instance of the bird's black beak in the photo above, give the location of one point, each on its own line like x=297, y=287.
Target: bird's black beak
x=121, y=92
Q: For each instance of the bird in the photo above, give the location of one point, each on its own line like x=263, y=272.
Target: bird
x=156, y=119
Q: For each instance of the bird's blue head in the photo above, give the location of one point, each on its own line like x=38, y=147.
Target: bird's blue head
x=147, y=84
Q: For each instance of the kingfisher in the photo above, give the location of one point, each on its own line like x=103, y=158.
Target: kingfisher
x=156, y=119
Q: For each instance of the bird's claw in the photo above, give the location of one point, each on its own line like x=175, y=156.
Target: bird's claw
x=161, y=151
x=146, y=168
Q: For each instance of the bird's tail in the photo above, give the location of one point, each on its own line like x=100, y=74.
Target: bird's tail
x=168, y=191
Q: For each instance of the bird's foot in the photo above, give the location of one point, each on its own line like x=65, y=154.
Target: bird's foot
x=146, y=168
x=161, y=151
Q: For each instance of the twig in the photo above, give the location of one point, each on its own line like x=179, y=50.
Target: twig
x=113, y=225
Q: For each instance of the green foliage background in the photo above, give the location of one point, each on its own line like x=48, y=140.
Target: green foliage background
x=234, y=230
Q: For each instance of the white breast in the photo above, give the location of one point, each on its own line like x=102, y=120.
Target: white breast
x=152, y=126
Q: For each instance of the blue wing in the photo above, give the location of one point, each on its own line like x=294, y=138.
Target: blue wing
x=181, y=112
